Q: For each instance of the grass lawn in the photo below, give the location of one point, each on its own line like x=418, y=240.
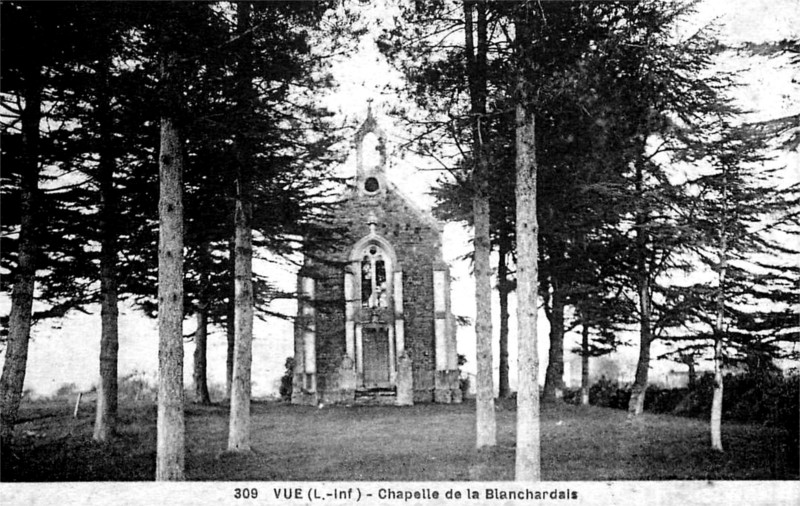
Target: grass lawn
x=376, y=443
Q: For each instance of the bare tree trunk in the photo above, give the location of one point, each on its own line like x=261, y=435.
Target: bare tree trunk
x=485, y=415
x=239, y=430
x=19, y=321
x=200, y=377
x=719, y=330
x=585, y=362
x=716, y=400
x=239, y=433
x=503, y=289
x=636, y=404
x=230, y=325
x=107, y=392
x=170, y=445
x=486, y=425
x=554, y=375
x=528, y=457
x=200, y=359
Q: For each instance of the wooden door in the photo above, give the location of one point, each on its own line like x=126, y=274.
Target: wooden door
x=376, y=356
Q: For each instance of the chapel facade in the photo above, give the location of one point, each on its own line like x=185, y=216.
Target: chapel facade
x=374, y=319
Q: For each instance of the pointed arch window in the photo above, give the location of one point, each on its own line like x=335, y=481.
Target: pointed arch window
x=374, y=285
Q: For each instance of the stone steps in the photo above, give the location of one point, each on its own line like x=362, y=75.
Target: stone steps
x=376, y=396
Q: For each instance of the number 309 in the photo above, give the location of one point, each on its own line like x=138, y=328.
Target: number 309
x=245, y=493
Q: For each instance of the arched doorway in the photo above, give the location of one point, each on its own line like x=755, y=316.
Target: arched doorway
x=373, y=298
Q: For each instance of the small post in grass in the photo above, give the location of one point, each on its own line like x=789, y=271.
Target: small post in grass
x=77, y=405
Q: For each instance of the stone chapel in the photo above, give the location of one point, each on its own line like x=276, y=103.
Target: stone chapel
x=374, y=320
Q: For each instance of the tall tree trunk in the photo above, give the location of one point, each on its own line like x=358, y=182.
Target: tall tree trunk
x=719, y=327
x=584, y=360
x=716, y=400
x=554, y=375
x=19, y=321
x=230, y=321
x=170, y=426
x=199, y=373
x=503, y=289
x=106, y=410
x=239, y=431
x=486, y=425
x=528, y=458
x=200, y=358
x=636, y=404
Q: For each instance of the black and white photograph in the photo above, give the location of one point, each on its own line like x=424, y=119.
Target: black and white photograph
x=400, y=252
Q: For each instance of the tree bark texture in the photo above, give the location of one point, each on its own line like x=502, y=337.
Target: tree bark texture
x=200, y=358
x=239, y=433
x=585, y=363
x=528, y=456
x=503, y=289
x=554, y=375
x=716, y=399
x=486, y=424
x=170, y=445
x=199, y=372
x=19, y=321
x=636, y=403
x=239, y=429
x=107, y=391
x=719, y=329
x=230, y=325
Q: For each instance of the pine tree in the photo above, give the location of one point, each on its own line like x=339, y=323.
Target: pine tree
x=653, y=114
x=31, y=82
x=486, y=425
x=743, y=218
x=171, y=425
x=47, y=32
x=239, y=435
x=442, y=73
x=281, y=153
x=181, y=34
x=106, y=410
x=528, y=457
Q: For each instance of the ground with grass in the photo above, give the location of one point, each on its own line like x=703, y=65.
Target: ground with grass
x=376, y=443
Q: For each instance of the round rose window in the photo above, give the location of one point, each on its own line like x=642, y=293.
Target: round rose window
x=371, y=184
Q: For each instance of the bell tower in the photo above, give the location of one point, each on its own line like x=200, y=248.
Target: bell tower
x=375, y=323
x=370, y=144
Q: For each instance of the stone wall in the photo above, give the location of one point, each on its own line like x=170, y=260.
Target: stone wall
x=417, y=244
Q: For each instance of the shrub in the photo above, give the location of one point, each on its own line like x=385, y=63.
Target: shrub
x=217, y=391
x=658, y=400
x=287, y=379
x=609, y=394
x=572, y=396
x=771, y=399
x=136, y=387
x=66, y=390
x=463, y=377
